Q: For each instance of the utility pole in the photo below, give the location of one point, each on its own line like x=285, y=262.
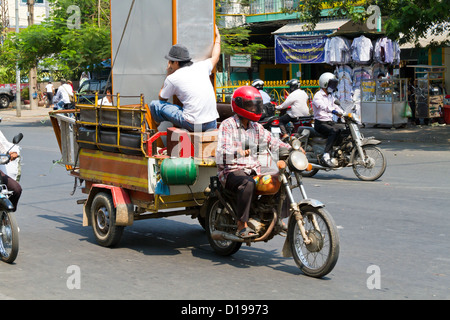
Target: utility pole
x=32, y=79
x=18, y=106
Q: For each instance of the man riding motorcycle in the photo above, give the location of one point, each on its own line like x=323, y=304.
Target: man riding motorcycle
x=236, y=164
x=259, y=84
x=298, y=101
x=9, y=178
x=324, y=108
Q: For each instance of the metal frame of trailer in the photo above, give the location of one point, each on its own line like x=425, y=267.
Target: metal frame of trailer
x=132, y=178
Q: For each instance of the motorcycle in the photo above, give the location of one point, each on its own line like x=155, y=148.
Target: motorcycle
x=292, y=127
x=9, y=230
x=311, y=234
x=269, y=120
x=351, y=150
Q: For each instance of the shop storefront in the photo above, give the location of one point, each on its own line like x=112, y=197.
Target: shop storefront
x=303, y=50
x=365, y=62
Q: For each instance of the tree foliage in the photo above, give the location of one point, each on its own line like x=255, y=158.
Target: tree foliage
x=404, y=20
x=74, y=36
x=236, y=40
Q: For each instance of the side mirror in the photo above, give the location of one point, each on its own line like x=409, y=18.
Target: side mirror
x=17, y=138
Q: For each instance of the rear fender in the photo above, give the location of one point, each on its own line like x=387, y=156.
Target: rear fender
x=121, y=200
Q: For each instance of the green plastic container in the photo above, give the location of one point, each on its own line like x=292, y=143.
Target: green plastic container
x=179, y=171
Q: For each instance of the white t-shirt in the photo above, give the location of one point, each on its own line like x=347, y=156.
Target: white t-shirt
x=49, y=88
x=104, y=102
x=195, y=91
x=265, y=96
x=298, y=100
x=64, y=92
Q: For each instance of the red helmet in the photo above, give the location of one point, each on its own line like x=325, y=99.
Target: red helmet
x=247, y=103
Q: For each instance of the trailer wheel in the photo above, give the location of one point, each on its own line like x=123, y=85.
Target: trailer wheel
x=103, y=219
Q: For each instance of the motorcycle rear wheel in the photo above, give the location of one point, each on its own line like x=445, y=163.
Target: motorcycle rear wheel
x=376, y=167
x=318, y=258
x=217, y=218
x=9, y=237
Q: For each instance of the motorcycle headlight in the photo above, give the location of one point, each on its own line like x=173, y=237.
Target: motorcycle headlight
x=4, y=158
x=354, y=117
x=296, y=144
x=298, y=161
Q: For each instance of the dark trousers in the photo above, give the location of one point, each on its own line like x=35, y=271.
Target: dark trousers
x=12, y=185
x=329, y=129
x=244, y=186
x=49, y=98
x=284, y=120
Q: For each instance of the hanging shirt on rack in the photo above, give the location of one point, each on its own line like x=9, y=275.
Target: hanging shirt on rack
x=396, y=53
x=383, y=50
x=361, y=73
x=362, y=50
x=344, y=88
x=337, y=50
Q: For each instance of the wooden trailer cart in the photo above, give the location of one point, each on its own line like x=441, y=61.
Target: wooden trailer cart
x=114, y=151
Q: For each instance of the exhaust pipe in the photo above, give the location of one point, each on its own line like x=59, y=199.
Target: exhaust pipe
x=220, y=235
x=318, y=166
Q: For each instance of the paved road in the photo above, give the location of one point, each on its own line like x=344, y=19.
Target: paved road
x=396, y=227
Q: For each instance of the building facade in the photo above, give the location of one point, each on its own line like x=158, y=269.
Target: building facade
x=270, y=19
x=41, y=10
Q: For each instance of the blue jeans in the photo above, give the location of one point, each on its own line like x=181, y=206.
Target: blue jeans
x=166, y=111
x=59, y=105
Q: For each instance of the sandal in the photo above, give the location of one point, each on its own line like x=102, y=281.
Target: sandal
x=246, y=233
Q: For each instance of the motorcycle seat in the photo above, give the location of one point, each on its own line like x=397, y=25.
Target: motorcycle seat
x=305, y=118
x=267, y=119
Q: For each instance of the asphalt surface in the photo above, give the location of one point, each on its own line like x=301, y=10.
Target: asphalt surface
x=397, y=224
x=408, y=133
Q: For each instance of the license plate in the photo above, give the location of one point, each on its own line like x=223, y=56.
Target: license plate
x=275, y=130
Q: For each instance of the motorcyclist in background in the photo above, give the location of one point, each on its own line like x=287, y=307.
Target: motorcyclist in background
x=259, y=84
x=324, y=108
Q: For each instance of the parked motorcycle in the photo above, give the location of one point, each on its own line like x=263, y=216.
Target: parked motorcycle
x=312, y=237
x=352, y=150
x=9, y=230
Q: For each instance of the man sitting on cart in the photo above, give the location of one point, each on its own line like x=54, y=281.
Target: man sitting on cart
x=191, y=84
x=236, y=164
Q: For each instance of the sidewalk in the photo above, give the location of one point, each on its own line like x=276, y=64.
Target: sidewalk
x=421, y=134
x=439, y=134
x=26, y=114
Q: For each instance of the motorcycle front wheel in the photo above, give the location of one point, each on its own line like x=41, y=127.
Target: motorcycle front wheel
x=319, y=257
x=372, y=167
x=218, y=219
x=9, y=237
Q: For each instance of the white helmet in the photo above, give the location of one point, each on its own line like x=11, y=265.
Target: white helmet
x=328, y=81
x=258, y=84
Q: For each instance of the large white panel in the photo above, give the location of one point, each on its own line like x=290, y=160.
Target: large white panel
x=195, y=26
x=138, y=61
x=139, y=65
